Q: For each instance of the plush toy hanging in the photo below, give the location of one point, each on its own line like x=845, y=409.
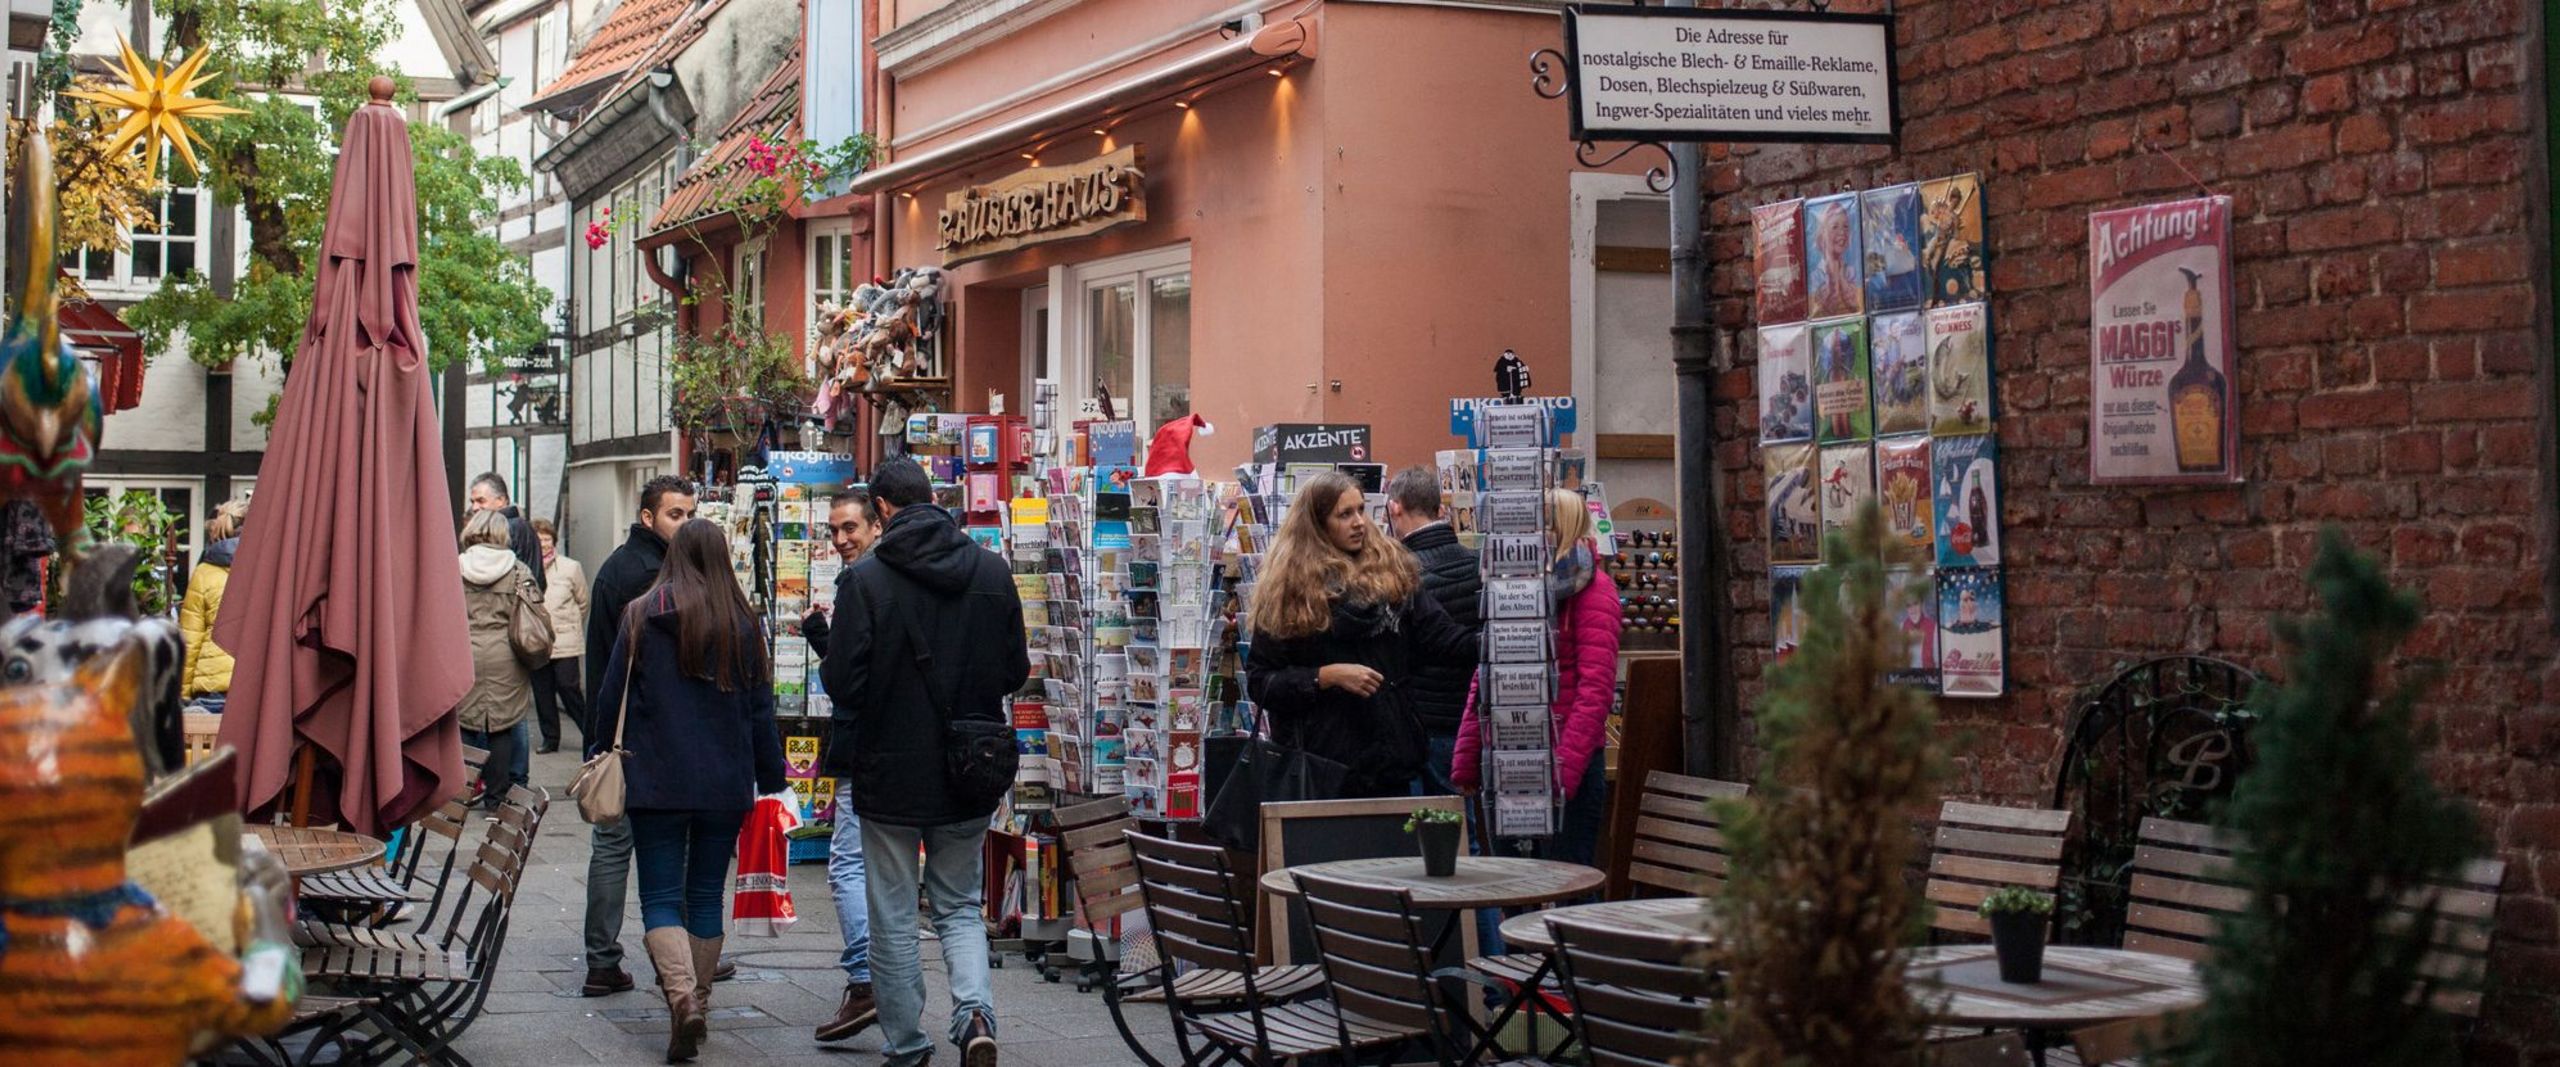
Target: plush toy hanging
x=1170, y=451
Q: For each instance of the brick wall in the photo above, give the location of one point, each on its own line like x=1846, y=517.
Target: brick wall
x=2380, y=153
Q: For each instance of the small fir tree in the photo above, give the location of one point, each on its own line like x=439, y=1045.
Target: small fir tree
x=2341, y=824
x=1817, y=909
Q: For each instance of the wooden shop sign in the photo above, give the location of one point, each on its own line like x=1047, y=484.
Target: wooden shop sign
x=1042, y=204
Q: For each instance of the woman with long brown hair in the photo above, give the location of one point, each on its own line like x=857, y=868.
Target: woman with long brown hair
x=696, y=716
x=1339, y=622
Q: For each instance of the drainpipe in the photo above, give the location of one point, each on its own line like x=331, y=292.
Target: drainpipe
x=660, y=80
x=450, y=108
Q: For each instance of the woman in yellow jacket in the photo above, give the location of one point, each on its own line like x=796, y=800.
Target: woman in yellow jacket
x=206, y=679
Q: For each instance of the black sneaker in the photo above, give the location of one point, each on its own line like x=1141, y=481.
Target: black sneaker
x=978, y=1042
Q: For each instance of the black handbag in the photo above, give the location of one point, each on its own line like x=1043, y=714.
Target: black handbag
x=979, y=756
x=1266, y=772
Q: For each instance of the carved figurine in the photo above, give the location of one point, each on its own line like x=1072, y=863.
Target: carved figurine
x=50, y=414
x=93, y=972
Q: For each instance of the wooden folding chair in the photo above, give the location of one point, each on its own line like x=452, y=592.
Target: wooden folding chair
x=200, y=733
x=1196, y=906
x=2182, y=887
x=1679, y=847
x=2466, y=910
x=2127, y=1041
x=1379, y=993
x=1979, y=849
x=1639, y=999
x=1105, y=873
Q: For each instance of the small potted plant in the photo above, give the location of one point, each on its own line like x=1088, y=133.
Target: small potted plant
x=1437, y=829
x=2018, y=918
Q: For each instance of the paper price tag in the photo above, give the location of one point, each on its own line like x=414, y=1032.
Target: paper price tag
x=1514, y=555
x=1519, y=683
x=1511, y=513
x=1515, y=598
x=1513, y=469
x=1518, y=641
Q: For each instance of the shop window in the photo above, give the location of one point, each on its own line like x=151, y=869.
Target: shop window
x=1135, y=335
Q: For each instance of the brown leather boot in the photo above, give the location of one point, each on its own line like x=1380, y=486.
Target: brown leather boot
x=670, y=948
x=854, y=1016
x=706, y=957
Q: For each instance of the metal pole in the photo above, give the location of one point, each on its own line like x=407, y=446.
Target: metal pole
x=1707, y=695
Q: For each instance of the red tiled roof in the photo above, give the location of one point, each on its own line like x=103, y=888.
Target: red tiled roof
x=629, y=34
x=773, y=116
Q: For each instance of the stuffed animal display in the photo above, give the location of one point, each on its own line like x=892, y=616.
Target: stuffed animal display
x=875, y=342
x=92, y=970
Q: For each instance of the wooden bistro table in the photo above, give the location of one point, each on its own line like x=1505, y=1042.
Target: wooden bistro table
x=1960, y=986
x=1477, y=882
x=307, y=851
x=1679, y=916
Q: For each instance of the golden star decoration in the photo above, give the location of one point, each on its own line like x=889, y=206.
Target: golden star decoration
x=158, y=103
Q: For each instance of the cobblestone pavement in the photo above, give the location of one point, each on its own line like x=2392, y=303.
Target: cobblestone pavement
x=785, y=988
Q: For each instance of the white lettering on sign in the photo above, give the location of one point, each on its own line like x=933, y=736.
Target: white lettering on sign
x=1732, y=75
x=1312, y=440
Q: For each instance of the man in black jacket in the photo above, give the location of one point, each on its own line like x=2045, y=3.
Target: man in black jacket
x=927, y=629
x=1438, y=693
x=851, y=530
x=665, y=504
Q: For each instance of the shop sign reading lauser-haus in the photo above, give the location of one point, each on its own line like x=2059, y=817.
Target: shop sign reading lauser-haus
x=1042, y=204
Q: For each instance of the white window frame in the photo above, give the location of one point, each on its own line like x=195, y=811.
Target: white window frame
x=1071, y=355
x=192, y=543
x=121, y=280
x=838, y=232
x=1037, y=337
x=746, y=281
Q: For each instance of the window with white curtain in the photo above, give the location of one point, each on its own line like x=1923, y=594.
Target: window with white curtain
x=1132, y=334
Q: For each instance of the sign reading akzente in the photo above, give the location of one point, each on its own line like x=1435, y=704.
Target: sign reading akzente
x=1693, y=74
x=1040, y=204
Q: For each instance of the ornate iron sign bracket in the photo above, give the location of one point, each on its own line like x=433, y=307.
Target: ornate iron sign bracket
x=1548, y=81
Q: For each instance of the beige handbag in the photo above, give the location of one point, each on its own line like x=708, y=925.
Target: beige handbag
x=599, y=788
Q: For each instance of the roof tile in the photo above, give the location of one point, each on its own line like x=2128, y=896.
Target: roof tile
x=773, y=116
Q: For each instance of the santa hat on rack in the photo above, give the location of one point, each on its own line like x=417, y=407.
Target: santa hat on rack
x=1170, y=451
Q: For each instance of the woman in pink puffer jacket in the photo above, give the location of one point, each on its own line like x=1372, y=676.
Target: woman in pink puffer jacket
x=1586, y=617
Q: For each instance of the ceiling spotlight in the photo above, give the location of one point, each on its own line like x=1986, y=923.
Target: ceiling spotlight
x=1029, y=156
x=1274, y=72
x=1183, y=104
x=1101, y=131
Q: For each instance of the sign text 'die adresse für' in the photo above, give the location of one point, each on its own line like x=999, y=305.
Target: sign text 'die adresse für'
x=1687, y=74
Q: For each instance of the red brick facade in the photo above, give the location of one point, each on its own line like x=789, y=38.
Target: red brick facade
x=2383, y=155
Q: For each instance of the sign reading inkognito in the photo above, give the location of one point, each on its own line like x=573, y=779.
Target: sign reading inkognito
x=1687, y=74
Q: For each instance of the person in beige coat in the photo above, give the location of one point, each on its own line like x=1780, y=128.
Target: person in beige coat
x=556, y=685
x=495, y=588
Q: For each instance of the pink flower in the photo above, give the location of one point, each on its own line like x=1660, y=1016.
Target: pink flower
x=597, y=234
x=762, y=159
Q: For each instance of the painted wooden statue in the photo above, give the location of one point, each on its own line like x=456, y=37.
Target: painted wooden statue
x=92, y=970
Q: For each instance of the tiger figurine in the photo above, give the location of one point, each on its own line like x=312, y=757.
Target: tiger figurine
x=92, y=971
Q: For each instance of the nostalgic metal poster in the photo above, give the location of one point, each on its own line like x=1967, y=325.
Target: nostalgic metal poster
x=2163, y=404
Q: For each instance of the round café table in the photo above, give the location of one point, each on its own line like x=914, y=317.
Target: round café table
x=1680, y=916
x=1479, y=881
x=307, y=851
x=1960, y=986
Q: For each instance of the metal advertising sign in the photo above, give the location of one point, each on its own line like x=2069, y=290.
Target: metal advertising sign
x=1692, y=74
x=2164, y=399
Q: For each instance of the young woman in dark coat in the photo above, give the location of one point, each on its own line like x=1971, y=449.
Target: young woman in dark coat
x=1340, y=621
x=703, y=746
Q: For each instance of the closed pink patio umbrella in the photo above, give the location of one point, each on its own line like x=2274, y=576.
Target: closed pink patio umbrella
x=345, y=610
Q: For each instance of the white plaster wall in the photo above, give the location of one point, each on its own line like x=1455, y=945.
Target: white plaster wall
x=171, y=416
x=252, y=382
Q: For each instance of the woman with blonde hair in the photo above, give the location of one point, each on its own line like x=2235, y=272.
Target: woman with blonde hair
x=1585, y=618
x=206, y=678
x=1340, y=620
x=496, y=590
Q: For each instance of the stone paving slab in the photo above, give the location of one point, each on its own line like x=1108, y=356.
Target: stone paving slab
x=787, y=985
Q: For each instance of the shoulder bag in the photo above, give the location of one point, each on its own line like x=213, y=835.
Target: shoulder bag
x=1267, y=771
x=979, y=756
x=599, y=788
x=529, y=627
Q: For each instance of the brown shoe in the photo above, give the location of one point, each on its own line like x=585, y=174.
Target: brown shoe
x=854, y=1016
x=670, y=948
x=605, y=981
x=724, y=970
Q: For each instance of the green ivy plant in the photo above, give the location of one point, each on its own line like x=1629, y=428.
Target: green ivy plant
x=1431, y=817
x=2016, y=900
x=137, y=517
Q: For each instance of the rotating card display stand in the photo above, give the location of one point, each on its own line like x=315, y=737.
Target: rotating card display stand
x=1515, y=679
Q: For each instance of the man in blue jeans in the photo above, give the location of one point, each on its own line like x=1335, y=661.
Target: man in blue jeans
x=851, y=530
x=926, y=644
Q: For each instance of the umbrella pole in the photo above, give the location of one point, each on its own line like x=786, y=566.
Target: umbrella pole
x=305, y=767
